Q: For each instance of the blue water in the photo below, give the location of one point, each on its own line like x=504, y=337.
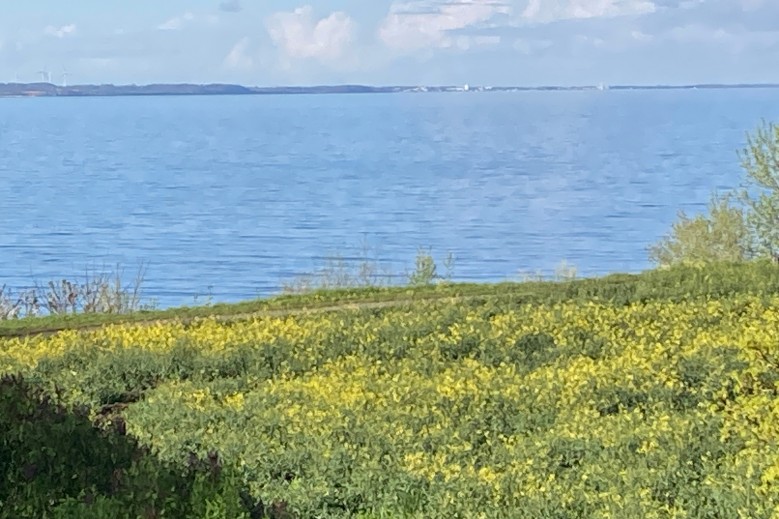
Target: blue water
x=235, y=195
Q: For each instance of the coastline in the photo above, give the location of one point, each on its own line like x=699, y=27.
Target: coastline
x=188, y=89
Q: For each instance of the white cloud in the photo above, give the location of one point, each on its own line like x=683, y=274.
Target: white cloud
x=640, y=36
x=468, y=42
x=238, y=57
x=301, y=36
x=176, y=23
x=544, y=11
x=60, y=32
x=484, y=40
x=414, y=25
x=581, y=40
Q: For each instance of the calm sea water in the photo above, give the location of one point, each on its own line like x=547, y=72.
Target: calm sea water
x=236, y=195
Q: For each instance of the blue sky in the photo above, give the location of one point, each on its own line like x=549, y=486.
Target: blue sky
x=411, y=42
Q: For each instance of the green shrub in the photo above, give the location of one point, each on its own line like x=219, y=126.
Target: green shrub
x=720, y=235
x=743, y=224
x=760, y=160
x=55, y=463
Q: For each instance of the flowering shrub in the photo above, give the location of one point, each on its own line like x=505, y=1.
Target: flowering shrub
x=647, y=408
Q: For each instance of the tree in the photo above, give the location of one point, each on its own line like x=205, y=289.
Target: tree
x=720, y=235
x=739, y=226
x=760, y=196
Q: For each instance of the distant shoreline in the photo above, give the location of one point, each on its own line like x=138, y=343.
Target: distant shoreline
x=51, y=90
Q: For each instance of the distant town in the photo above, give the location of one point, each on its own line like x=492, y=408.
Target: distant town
x=46, y=89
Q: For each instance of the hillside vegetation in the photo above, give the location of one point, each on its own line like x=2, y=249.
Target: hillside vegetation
x=651, y=395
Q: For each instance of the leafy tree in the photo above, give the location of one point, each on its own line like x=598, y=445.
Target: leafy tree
x=739, y=226
x=720, y=235
x=760, y=196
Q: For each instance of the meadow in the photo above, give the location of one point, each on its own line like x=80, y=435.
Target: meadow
x=652, y=395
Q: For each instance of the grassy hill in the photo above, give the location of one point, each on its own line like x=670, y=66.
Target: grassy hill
x=649, y=395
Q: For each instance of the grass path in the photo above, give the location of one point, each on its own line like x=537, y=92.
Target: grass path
x=679, y=283
x=225, y=317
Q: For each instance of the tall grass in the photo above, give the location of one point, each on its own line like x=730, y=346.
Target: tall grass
x=100, y=291
x=367, y=271
x=107, y=291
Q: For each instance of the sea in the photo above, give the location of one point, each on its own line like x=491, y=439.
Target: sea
x=225, y=198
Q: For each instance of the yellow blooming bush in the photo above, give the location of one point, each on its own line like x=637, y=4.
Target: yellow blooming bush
x=653, y=409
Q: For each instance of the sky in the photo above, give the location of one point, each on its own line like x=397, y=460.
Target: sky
x=390, y=42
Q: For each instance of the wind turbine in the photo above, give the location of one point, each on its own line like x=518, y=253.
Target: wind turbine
x=65, y=75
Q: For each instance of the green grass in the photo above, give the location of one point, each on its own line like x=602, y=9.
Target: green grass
x=677, y=283
x=48, y=413
x=53, y=456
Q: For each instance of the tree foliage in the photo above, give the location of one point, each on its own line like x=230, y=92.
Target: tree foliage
x=760, y=196
x=740, y=225
x=720, y=235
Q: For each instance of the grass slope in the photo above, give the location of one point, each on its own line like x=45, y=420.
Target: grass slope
x=674, y=284
x=648, y=395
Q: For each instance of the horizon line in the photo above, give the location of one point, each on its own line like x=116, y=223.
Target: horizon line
x=369, y=85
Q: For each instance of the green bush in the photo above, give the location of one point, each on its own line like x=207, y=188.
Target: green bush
x=760, y=159
x=743, y=224
x=54, y=463
x=721, y=235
